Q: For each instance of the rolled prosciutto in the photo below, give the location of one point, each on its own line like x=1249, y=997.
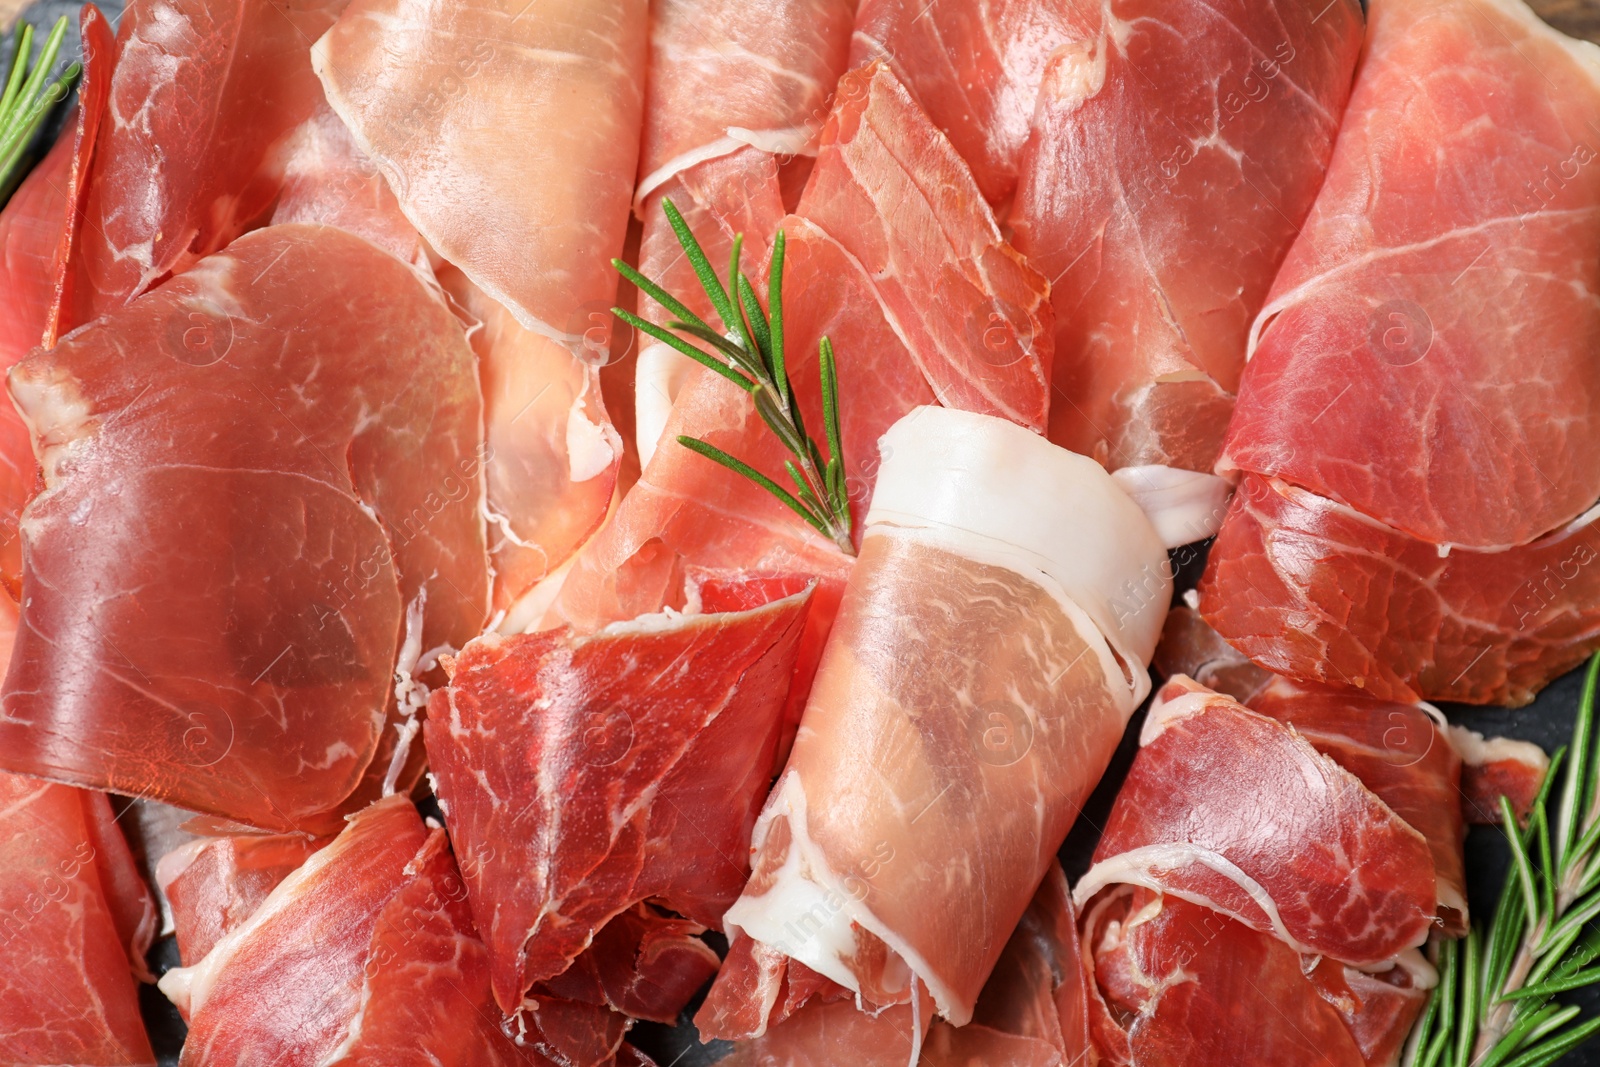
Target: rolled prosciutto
x=990, y=648
x=1176, y=150
x=1414, y=434
x=1251, y=899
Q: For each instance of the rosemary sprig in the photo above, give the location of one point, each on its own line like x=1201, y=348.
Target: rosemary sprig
x=1494, y=1005
x=28, y=96
x=750, y=354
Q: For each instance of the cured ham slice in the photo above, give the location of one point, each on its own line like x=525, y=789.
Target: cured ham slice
x=922, y=227
x=71, y=933
x=460, y=104
x=580, y=775
x=230, y=538
x=642, y=964
x=1392, y=446
x=1175, y=151
x=364, y=955
x=187, y=155
x=733, y=91
x=214, y=884
x=1287, y=842
x=38, y=231
x=1497, y=767
x=989, y=651
x=1176, y=983
x=974, y=68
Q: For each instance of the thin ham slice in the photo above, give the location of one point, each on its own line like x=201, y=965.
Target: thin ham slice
x=214, y=884
x=989, y=650
x=1393, y=447
x=735, y=91
x=1284, y=840
x=187, y=156
x=246, y=496
x=580, y=775
x=38, y=232
x=900, y=201
x=974, y=68
x=1176, y=149
x=71, y=935
x=364, y=955
x=462, y=105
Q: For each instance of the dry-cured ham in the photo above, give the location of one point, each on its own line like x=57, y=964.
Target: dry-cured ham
x=1388, y=446
x=989, y=650
x=974, y=68
x=736, y=92
x=922, y=227
x=580, y=775
x=214, y=884
x=1176, y=149
x=187, y=156
x=249, y=503
x=460, y=104
x=364, y=955
x=1248, y=878
x=77, y=921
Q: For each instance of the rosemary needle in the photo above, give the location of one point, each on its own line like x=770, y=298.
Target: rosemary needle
x=28, y=97
x=750, y=353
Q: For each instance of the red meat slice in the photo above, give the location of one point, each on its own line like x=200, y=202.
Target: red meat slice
x=1426, y=356
x=642, y=964
x=580, y=775
x=66, y=945
x=214, y=884
x=1233, y=810
x=366, y=956
x=1177, y=147
x=271, y=489
x=205, y=94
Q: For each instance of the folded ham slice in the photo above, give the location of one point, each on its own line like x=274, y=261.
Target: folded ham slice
x=580, y=775
x=364, y=955
x=989, y=650
x=735, y=92
x=214, y=884
x=77, y=920
x=1395, y=449
x=38, y=232
x=187, y=159
x=1175, y=151
x=1252, y=900
x=246, y=495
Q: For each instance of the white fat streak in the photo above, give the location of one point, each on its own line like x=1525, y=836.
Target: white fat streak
x=591, y=446
x=410, y=695
x=658, y=378
x=1476, y=750
x=526, y=615
x=1165, y=713
x=805, y=885
x=987, y=476
x=788, y=141
x=1183, y=506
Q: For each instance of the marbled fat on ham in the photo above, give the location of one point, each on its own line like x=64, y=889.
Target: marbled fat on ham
x=246, y=491
x=214, y=884
x=1176, y=148
x=580, y=775
x=989, y=650
x=1415, y=413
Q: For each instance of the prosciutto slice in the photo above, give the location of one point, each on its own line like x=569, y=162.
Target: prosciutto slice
x=204, y=96
x=1392, y=445
x=77, y=922
x=246, y=496
x=38, y=231
x=989, y=650
x=214, y=884
x=582, y=774
x=1175, y=151
x=364, y=955
x=735, y=92
x=974, y=68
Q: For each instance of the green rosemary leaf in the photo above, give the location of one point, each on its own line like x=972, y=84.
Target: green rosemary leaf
x=29, y=96
x=702, y=266
x=739, y=326
x=775, y=422
x=1467, y=1027
x=758, y=321
x=1571, y=923
x=807, y=494
x=1574, y=798
x=1522, y=863
x=685, y=347
x=659, y=295
x=1555, y=958
x=1539, y=820
x=1556, y=985
x=1520, y=1033
x=1550, y=1051
x=21, y=51
x=736, y=355
x=780, y=373
x=712, y=452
